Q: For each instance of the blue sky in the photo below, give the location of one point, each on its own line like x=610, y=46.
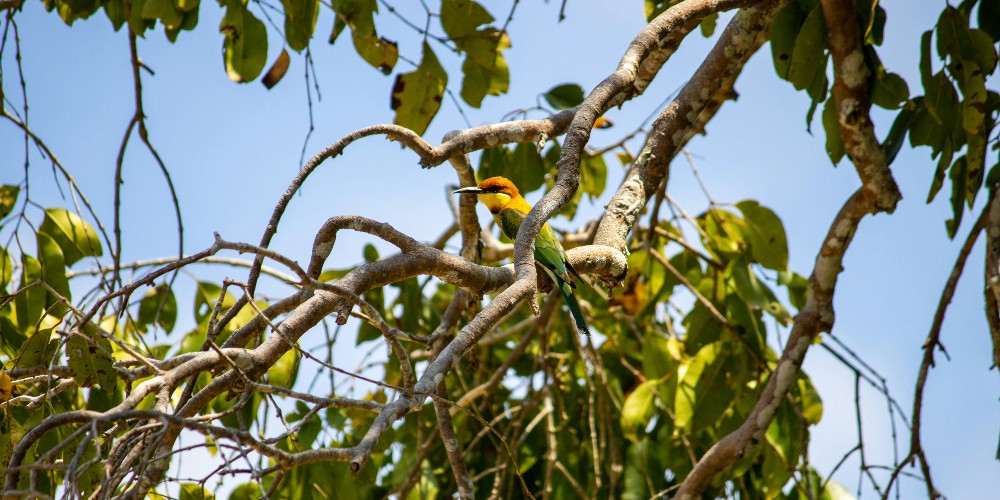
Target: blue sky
x=232, y=150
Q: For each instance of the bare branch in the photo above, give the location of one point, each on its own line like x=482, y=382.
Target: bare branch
x=932, y=343
x=684, y=116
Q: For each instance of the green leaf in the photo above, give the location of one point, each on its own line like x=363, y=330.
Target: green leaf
x=811, y=405
x=784, y=30
x=875, y=32
x=650, y=269
x=484, y=70
x=831, y=126
x=657, y=360
x=416, y=96
x=702, y=394
x=245, y=45
x=461, y=18
x=6, y=269
x=246, y=491
x=941, y=100
x=369, y=252
x=493, y=162
x=747, y=322
x=942, y=167
x=284, y=372
x=8, y=196
x=115, y=10
x=797, y=286
x=808, y=54
x=38, y=350
x=989, y=18
x=75, y=237
x=158, y=306
x=307, y=434
x=890, y=91
x=50, y=257
x=379, y=52
x=982, y=51
x=136, y=23
x=784, y=433
x=638, y=409
x=188, y=23
x=526, y=168
x=958, y=175
x=766, y=235
x=708, y=24
x=300, y=22
x=751, y=290
x=91, y=361
x=701, y=328
x=722, y=233
x=925, y=58
x=952, y=34
x=894, y=139
x=564, y=96
x=30, y=303
x=593, y=175
x=163, y=10
x=411, y=298
x=205, y=297
x=193, y=491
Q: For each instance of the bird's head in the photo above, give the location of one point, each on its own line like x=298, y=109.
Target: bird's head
x=495, y=192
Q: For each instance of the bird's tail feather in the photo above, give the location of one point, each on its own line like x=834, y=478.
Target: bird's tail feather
x=574, y=307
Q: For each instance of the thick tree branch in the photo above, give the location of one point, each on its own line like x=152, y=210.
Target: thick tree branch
x=600, y=99
x=992, y=271
x=683, y=117
x=815, y=317
x=850, y=89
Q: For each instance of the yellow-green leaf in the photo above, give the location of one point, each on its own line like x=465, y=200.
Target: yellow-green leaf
x=702, y=394
x=766, y=235
x=53, y=273
x=29, y=304
x=283, y=372
x=807, y=55
x=164, y=10
x=564, y=96
x=416, y=96
x=91, y=361
x=245, y=45
x=75, y=236
x=8, y=196
x=637, y=410
x=460, y=18
x=158, y=306
x=300, y=22
x=359, y=15
x=6, y=269
x=484, y=70
x=193, y=491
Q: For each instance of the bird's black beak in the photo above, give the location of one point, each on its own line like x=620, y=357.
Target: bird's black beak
x=470, y=190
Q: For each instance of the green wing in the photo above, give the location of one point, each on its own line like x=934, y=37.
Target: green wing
x=548, y=251
x=550, y=254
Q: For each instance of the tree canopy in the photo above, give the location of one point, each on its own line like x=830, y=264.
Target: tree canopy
x=433, y=359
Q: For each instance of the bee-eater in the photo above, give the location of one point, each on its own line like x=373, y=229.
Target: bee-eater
x=509, y=208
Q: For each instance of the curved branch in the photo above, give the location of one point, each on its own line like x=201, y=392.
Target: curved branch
x=815, y=317
x=932, y=343
x=850, y=90
x=673, y=20
x=683, y=117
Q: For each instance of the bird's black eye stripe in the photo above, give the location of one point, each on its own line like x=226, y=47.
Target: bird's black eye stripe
x=494, y=189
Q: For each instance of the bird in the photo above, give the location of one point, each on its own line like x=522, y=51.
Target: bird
x=509, y=209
